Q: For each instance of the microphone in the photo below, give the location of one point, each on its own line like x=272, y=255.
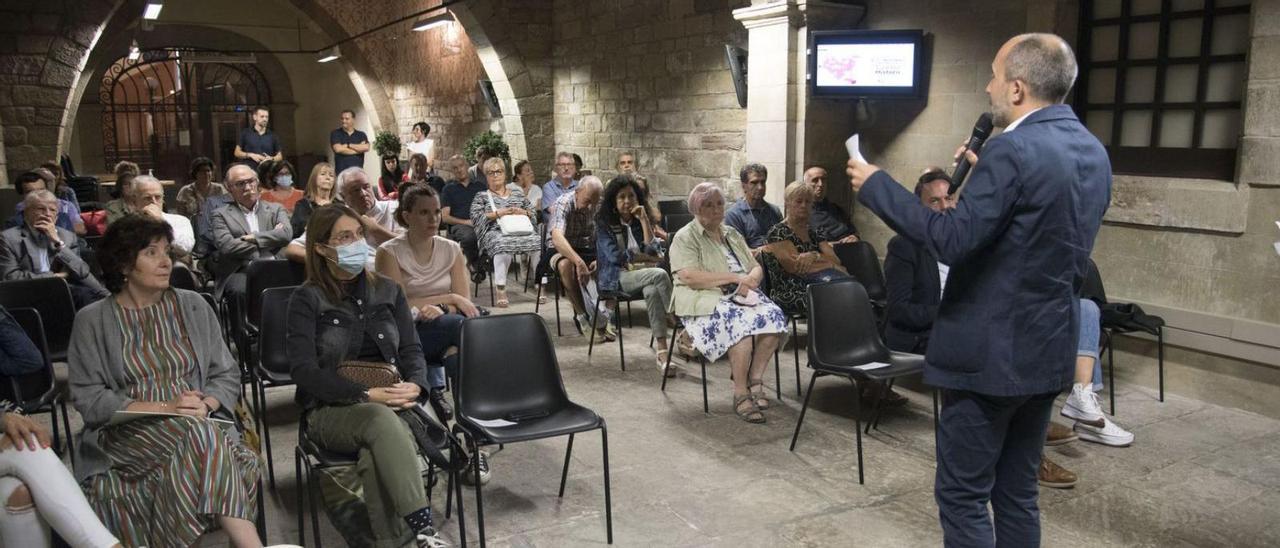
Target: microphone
x=981, y=130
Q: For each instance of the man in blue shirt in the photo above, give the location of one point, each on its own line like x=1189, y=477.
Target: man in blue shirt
x=566, y=179
x=349, y=144
x=258, y=144
x=751, y=215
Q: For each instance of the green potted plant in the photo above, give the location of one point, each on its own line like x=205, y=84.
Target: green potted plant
x=489, y=140
x=386, y=144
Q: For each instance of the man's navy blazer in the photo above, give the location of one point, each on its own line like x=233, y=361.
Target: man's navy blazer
x=913, y=289
x=1018, y=244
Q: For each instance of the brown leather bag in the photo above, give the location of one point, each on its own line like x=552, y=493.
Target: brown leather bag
x=369, y=374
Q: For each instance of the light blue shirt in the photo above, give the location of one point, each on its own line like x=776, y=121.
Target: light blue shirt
x=552, y=191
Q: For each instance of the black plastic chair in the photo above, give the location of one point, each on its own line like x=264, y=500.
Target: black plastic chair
x=181, y=277
x=528, y=392
x=548, y=275
x=842, y=339
x=673, y=207
x=673, y=222
x=1151, y=324
x=37, y=392
x=52, y=298
x=272, y=365
x=860, y=259
x=618, y=297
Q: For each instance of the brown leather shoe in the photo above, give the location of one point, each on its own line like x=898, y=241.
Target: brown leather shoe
x=1054, y=476
x=1059, y=434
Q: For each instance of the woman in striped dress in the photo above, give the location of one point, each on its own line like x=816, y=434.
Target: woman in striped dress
x=486, y=208
x=160, y=480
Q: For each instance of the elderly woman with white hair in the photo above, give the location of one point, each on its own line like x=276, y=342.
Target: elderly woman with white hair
x=717, y=296
x=493, y=204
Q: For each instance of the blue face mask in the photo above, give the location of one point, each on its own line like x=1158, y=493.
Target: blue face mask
x=284, y=181
x=354, y=256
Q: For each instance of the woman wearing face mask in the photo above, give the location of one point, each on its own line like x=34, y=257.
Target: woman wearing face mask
x=344, y=312
x=279, y=183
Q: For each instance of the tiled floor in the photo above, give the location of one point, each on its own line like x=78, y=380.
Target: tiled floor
x=1198, y=474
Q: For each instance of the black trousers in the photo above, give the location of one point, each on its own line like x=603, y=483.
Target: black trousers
x=989, y=450
x=466, y=237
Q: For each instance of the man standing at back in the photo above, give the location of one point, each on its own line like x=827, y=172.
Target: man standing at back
x=258, y=144
x=1004, y=343
x=349, y=144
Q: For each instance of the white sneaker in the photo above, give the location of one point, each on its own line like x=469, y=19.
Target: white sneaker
x=1109, y=434
x=1083, y=406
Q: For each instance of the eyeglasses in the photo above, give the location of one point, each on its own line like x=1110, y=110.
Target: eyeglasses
x=493, y=172
x=345, y=238
x=570, y=164
x=245, y=183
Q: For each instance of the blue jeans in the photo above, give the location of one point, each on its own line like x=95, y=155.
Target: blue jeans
x=436, y=337
x=1090, y=335
x=989, y=450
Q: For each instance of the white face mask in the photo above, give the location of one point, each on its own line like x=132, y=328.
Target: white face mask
x=284, y=181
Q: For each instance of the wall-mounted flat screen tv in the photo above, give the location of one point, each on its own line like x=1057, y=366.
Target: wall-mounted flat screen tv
x=867, y=63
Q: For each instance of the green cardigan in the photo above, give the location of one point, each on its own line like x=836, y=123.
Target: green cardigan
x=693, y=248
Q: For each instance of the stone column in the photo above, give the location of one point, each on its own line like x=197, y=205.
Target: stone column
x=780, y=120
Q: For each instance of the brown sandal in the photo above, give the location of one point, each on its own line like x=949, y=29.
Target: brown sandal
x=750, y=414
x=759, y=395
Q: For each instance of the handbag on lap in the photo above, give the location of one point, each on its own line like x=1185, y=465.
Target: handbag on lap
x=432, y=438
x=511, y=225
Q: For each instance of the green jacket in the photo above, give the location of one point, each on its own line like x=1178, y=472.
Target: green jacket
x=692, y=248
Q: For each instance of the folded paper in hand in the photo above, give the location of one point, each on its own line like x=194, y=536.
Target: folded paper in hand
x=851, y=145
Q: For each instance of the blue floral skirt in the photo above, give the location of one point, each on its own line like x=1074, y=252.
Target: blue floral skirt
x=729, y=323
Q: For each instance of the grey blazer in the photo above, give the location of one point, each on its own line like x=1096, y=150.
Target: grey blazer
x=17, y=261
x=229, y=224
x=97, y=378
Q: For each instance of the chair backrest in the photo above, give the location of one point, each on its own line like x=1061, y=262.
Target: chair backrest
x=272, y=355
x=842, y=325
x=675, y=221
x=264, y=274
x=518, y=374
x=673, y=207
x=1093, y=288
x=34, y=388
x=52, y=298
x=860, y=259
x=181, y=277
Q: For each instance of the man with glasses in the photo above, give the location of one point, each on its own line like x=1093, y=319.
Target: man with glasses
x=565, y=180
x=244, y=230
x=377, y=218
x=751, y=215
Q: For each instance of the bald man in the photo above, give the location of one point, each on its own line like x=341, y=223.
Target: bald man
x=1003, y=345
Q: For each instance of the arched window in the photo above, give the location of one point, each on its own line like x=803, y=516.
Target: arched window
x=169, y=106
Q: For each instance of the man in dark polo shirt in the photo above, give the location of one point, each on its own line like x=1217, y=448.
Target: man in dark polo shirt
x=349, y=144
x=830, y=221
x=258, y=144
x=455, y=208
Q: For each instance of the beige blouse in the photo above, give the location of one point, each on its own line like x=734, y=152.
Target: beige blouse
x=424, y=279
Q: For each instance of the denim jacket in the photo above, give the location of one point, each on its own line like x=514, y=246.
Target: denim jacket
x=322, y=334
x=612, y=255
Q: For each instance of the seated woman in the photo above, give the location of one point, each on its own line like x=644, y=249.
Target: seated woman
x=794, y=256
x=389, y=181
x=420, y=174
x=717, y=297
x=487, y=207
x=433, y=273
x=163, y=480
x=651, y=204
x=628, y=255
x=342, y=313
x=278, y=185
x=319, y=193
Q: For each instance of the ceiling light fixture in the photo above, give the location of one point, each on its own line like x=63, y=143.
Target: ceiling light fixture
x=330, y=54
x=152, y=11
x=432, y=22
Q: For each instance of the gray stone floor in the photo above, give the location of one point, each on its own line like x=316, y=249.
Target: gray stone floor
x=1198, y=474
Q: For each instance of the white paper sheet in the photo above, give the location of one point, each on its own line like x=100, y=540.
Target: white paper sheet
x=872, y=365
x=851, y=145
x=495, y=423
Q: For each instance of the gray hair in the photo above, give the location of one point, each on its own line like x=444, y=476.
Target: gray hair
x=340, y=185
x=1045, y=63
x=39, y=197
x=591, y=181
x=753, y=167
x=145, y=179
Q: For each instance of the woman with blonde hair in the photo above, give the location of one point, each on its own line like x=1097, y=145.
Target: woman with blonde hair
x=319, y=192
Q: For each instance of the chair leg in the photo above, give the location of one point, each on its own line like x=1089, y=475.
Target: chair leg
x=857, y=424
x=617, y=314
x=706, y=406
x=66, y=428
x=564, y=474
x=479, y=498
x=559, y=333
x=777, y=376
x=301, y=508
x=803, y=408
x=266, y=434
x=312, y=488
x=1111, y=372
x=462, y=520
x=795, y=352
x=671, y=349
x=591, y=318
x=608, y=496
x=631, y=321
x=261, y=521
x=53, y=419
x=874, y=420
x=1160, y=358
x=493, y=295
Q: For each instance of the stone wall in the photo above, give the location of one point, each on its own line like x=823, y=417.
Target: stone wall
x=428, y=76
x=43, y=44
x=650, y=76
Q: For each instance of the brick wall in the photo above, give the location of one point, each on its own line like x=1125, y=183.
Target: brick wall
x=650, y=76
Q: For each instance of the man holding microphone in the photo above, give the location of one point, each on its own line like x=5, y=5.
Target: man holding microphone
x=1004, y=343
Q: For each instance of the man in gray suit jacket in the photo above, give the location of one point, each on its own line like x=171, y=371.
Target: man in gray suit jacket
x=244, y=230
x=38, y=249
